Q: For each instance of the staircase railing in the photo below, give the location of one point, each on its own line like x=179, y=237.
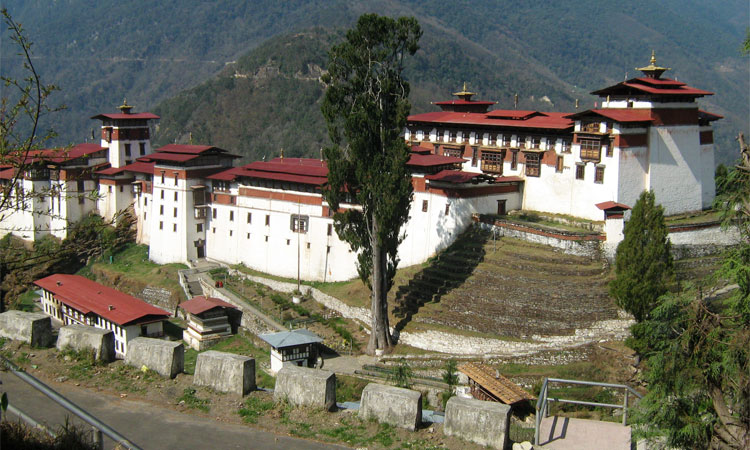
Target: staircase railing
x=542, y=404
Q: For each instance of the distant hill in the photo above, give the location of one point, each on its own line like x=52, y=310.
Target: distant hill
x=99, y=52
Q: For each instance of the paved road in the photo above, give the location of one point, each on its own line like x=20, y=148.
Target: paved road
x=146, y=425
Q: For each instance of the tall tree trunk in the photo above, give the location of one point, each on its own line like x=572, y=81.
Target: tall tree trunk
x=380, y=335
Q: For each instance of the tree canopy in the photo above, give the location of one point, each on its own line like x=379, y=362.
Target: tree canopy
x=365, y=106
x=643, y=262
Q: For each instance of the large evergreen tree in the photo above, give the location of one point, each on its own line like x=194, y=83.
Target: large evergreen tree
x=365, y=106
x=643, y=262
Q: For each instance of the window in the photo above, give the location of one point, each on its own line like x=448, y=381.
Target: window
x=559, y=164
x=610, y=150
x=144, y=215
x=599, y=174
x=300, y=224
x=127, y=149
x=536, y=142
x=230, y=233
x=591, y=127
x=161, y=210
x=521, y=142
x=474, y=156
x=287, y=242
x=492, y=162
x=213, y=230
x=451, y=136
x=81, y=188
x=308, y=246
x=268, y=219
x=161, y=225
x=513, y=159
x=590, y=149
x=109, y=189
x=175, y=196
x=231, y=216
x=143, y=148
x=162, y=177
x=532, y=164
x=174, y=227
x=213, y=213
x=330, y=229
x=493, y=140
x=174, y=214
x=580, y=171
x=506, y=140
x=175, y=178
x=565, y=146
x=424, y=205
x=447, y=208
x=248, y=235
x=121, y=188
x=199, y=228
x=266, y=238
x=162, y=194
x=453, y=151
x=249, y=217
x=145, y=201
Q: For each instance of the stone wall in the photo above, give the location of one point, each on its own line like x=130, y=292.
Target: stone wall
x=485, y=423
x=163, y=357
x=692, y=241
x=392, y=405
x=158, y=297
x=302, y=386
x=33, y=328
x=225, y=372
x=85, y=338
x=579, y=244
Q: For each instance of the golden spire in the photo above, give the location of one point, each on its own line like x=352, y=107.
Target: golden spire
x=125, y=108
x=282, y=154
x=464, y=94
x=652, y=70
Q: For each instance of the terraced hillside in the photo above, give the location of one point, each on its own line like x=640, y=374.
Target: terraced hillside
x=507, y=288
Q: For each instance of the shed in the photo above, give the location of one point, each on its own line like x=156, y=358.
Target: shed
x=209, y=320
x=299, y=347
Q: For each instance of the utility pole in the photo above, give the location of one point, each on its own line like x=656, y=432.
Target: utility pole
x=299, y=231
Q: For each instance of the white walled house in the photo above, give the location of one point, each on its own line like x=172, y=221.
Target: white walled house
x=297, y=347
x=70, y=299
x=649, y=134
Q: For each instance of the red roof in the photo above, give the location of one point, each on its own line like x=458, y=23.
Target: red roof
x=184, y=148
x=176, y=157
x=661, y=86
x=295, y=170
x=464, y=102
x=201, y=304
x=7, y=174
x=121, y=116
x=457, y=176
x=705, y=115
x=89, y=296
x=60, y=155
x=421, y=160
x=618, y=115
x=500, y=118
x=137, y=167
x=610, y=205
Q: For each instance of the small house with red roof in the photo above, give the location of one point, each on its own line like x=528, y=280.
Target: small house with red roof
x=208, y=320
x=73, y=299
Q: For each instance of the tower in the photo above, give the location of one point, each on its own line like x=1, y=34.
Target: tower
x=126, y=134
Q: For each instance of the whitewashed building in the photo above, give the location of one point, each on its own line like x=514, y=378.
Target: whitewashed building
x=71, y=299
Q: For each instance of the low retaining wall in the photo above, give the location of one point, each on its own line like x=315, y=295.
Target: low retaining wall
x=392, y=405
x=302, y=386
x=484, y=423
x=579, y=244
x=33, y=328
x=163, y=357
x=86, y=338
x=225, y=372
x=693, y=241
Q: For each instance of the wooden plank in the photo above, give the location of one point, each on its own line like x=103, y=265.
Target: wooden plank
x=499, y=387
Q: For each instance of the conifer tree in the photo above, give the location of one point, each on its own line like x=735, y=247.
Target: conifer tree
x=643, y=263
x=365, y=106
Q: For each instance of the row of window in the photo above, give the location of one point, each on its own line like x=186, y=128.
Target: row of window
x=598, y=173
x=425, y=205
x=499, y=140
x=142, y=149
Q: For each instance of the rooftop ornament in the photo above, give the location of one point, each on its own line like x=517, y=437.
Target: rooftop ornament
x=652, y=70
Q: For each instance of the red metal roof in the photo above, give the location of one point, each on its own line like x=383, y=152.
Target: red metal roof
x=137, y=167
x=618, y=115
x=663, y=86
x=512, y=113
x=610, y=205
x=60, y=155
x=201, y=304
x=121, y=116
x=464, y=102
x=183, y=148
x=457, y=176
x=175, y=157
x=550, y=120
x=89, y=296
x=420, y=160
x=311, y=167
x=7, y=174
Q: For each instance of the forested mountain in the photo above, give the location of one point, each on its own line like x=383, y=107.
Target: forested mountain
x=100, y=52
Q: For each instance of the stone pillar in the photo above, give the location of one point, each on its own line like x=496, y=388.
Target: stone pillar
x=393, y=405
x=484, y=423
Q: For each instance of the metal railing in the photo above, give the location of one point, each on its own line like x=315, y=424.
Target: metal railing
x=542, y=404
x=99, y=428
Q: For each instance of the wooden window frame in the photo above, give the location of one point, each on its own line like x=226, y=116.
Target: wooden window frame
x=559, y=164
x=591, y=149
x=492, y=161
x=533, y=165
x=580, y=171
x=599, y=175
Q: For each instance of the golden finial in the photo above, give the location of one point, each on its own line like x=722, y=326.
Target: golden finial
x=321, y=153
x=125, y=108
x=576, y=103
x=464, y=94
x=282, y=154
x=652, y=70
x=191, y=138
